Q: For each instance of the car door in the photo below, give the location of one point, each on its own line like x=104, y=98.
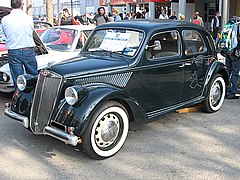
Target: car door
x=196, y=64
x=162, y=78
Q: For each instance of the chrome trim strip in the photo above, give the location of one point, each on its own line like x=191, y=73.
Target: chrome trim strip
x=156, y=113
x=23, y=119
x=61, y=135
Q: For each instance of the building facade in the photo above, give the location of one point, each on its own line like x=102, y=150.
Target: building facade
x=206, y=8
x=77, y=7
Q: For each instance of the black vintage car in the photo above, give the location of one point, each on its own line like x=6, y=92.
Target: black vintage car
x=127, y=71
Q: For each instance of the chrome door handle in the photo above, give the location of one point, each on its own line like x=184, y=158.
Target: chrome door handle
x=185, y=64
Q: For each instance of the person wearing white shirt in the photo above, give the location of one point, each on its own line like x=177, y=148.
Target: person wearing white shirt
x=163, y=15
x=18, y=28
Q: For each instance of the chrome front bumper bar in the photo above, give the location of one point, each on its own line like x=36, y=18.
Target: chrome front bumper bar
x=56, y=133
x=10, y=113
x=62, y=135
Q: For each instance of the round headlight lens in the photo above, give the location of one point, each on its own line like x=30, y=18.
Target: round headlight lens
x=71, y=96
x=5, y=77
x=21, y=82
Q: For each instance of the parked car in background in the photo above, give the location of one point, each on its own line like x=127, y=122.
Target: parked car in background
x=3, y=12
x=57, y=44
x=127, y=71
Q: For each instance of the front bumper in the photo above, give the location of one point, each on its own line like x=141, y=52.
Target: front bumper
x=7, y=88
x=54, y=132
x=23, y=119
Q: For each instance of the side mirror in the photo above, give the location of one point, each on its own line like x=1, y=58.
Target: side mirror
x=156, y=46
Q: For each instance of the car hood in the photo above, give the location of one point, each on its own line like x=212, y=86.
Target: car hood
x=46, y=60
x=54, y=57
x=81, y=65
x=4, y=11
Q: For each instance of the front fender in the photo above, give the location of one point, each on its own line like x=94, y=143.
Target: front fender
x=22, y=102
x=78, y=115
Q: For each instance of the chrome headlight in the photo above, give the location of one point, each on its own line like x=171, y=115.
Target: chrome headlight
x=74, y=94
x=26, y=81
x=21, y=82
x=5, y=77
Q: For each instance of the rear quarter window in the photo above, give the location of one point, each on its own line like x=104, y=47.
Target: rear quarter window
x=193, y=42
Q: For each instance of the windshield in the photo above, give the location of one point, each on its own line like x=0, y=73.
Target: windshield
x=120, y=41
x=59, y=39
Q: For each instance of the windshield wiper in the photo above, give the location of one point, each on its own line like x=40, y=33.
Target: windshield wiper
x=106, y=53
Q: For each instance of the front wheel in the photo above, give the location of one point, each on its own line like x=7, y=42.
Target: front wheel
x=215, y=95
x=107, y=130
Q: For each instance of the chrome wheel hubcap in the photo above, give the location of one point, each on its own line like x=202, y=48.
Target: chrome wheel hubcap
x=215, y=93
x=107, y=130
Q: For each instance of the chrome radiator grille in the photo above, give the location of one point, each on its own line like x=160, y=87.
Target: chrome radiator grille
x=44, y=100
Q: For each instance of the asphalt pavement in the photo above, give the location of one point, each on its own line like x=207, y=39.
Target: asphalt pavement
x=187, y=146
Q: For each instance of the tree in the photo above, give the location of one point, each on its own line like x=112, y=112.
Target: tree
x=49, y=10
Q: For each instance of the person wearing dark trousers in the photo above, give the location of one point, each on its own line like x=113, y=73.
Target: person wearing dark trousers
x=216, y=25
x=18, y=28
x=101, y=17
x=233, y=63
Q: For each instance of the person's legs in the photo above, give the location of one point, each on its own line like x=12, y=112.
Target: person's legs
x=228, y=63
x=29, y=61
x=15, y=64
x=234, y=76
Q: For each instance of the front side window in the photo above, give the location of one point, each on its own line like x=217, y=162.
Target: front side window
x=193, y=42
x=163, y=45
x=125, y=42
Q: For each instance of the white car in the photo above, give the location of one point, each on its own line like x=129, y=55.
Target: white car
x=55, y=45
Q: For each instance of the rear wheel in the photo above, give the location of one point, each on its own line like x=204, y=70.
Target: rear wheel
x=107, y=130
x=215, y=95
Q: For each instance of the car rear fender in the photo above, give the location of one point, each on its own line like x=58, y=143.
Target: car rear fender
x=216, y=68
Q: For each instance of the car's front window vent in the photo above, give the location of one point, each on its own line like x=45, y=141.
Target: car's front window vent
x=119, y=80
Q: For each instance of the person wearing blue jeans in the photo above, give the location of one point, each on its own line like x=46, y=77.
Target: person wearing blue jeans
x=17, y=58
x=234, y=73
x=18, y=28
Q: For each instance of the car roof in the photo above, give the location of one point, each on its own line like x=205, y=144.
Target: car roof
x=77, y=27
x=150, y=25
